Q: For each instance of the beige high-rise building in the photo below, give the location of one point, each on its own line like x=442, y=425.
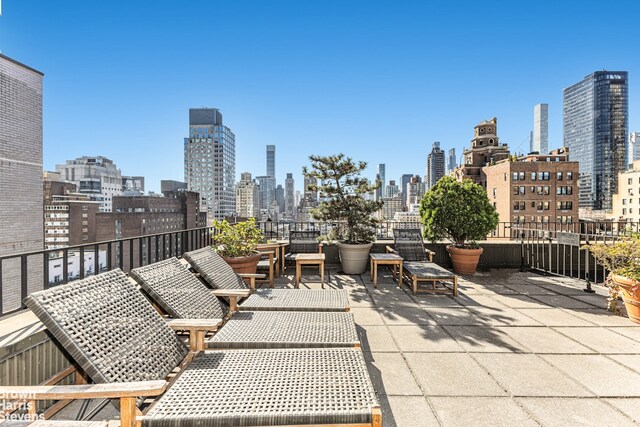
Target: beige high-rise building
x=247, y=197
x=626, y=203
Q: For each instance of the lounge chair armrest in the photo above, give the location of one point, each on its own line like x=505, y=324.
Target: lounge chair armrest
x=233, y=295
x=238, y=293
x=390, y=250
x=430, y=254
x=195, y=324
x=320, y=245
x=86, y=391
x=197, y=329
x=252, y=278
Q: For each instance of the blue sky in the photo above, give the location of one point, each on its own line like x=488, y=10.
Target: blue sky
x=379, y=81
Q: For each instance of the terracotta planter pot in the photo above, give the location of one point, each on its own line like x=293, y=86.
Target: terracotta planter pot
x=244, y=264
x=465, y=261
x=630, y=295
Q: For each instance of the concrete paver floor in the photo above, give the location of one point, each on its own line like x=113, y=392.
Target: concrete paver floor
x=514, y=349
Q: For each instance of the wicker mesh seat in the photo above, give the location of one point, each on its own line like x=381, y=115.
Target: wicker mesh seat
x=418, y=266
x=219, y=275
x=109, y=328
x=269, y=387
x=302, y=242
x=178, y=292
x=181, y=295
x=115, y=335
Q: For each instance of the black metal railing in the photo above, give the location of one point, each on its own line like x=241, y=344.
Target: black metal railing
x=23, y=273
x=27, y=272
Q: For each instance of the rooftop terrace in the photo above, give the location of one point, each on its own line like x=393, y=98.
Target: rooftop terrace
x=512, y=349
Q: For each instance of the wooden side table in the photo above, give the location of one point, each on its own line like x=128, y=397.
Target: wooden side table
x=306, y=260
x=386, y=259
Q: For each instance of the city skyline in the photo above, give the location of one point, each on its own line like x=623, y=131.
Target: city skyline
x=129, y=89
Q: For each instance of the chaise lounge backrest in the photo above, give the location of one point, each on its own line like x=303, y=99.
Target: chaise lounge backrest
x=409, y=244
x=303, y=242
x=109, y=328
x=214, y=270
x=177, y=291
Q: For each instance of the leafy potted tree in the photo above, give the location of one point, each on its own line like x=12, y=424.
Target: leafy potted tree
x=237, y=243
x=462, y=213
x=622, y=261
x=343, y=189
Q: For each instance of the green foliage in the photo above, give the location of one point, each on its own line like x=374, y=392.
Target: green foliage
x=621, y=258
x=236, y=240
x=343, y=187
x=458, y=211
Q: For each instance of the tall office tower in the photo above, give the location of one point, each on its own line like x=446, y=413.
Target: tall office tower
x=21, y=177
x=404, y=180
x=634, y=148
x=310, y=196
x=247, y=197
x=267, y=191
x=595, y=127
x=210, y=161
x=289, y=197
x=280, y=198
x=271, y=161
x=540, y=141
x=435, y=164
x=392, y=190
x=379, y=191
x=382, y=177
x=452, y=164
x=97, y=177
x=415, y=190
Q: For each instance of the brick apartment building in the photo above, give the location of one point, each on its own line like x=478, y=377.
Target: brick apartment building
x=485, y=149
x=535, y=188
x=135, y=216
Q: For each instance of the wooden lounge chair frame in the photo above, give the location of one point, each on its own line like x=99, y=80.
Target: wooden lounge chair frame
x=167, y=357
x=418, y=265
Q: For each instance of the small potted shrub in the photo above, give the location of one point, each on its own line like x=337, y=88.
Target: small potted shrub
x=237, y=244
x=622, y=261
x=343, y=189
x=460, y=212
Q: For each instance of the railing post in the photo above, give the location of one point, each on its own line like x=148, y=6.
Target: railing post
x=45, y=285
x=24, y=288
x=65, y=266
x=81, y=266
x=587, y=289
x=1, y=287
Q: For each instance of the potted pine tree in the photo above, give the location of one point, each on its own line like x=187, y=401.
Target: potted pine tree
x=343, y=189
x=237, y=243
x=462, y=213
x=622, y=260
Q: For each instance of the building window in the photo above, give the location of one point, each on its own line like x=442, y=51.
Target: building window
x=533, y=176
x=559, y=176
x=515, y=176
x=569, y=176
x=521, y=176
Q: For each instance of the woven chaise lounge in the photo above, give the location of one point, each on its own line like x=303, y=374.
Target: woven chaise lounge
x=221, y=277
x=418, y=265
x=179, y=294
x=117, y=338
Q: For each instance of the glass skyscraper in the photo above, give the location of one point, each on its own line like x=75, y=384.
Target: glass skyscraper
x=210, y=161
x=435, y=164
x=540, y=136
x=595, y=123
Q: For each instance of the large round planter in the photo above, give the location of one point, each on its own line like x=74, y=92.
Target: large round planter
x=630, y=295
x=244, y=264
x=465, y=261
x=354, y=258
